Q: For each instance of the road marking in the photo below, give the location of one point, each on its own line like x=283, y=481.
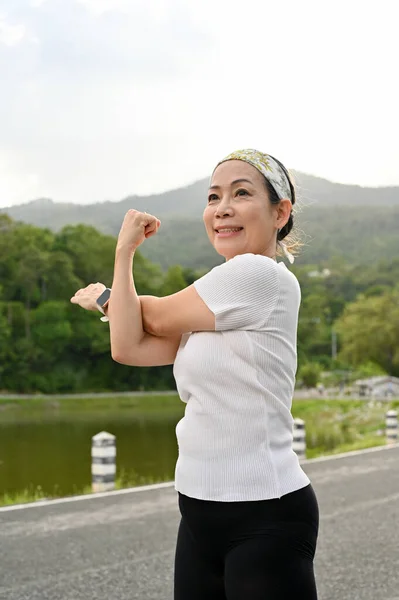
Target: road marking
x=169, y=484
x=39, y=503
x=347, y=454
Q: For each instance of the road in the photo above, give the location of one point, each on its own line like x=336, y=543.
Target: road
x=121, y=547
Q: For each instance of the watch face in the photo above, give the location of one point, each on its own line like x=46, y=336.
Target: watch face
x=101, y=300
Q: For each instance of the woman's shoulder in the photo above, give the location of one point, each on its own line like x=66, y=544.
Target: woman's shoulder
x=252, y=258
x=250, y=262
x=246, y=270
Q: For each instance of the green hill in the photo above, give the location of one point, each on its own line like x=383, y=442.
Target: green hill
x=357, y=223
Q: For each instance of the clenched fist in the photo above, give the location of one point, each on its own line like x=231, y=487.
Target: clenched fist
x=136, y=227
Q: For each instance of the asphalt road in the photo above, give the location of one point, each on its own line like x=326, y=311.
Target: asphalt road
x=121, y=547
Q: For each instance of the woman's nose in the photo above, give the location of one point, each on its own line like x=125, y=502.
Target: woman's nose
x=224, y=209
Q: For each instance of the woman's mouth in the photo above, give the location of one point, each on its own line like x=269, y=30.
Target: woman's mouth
x=228, y=231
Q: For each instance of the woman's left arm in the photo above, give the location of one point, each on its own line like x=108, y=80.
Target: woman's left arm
x=238, y=294
x=176, y=314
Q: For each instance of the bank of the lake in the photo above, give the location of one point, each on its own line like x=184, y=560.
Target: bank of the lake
x=45, y=442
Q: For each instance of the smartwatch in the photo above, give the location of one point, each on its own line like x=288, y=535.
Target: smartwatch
x=102, y=302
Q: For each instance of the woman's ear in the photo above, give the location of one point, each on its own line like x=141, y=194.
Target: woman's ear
x=284, y=211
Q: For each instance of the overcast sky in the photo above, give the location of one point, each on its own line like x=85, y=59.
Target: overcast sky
x=104, y=98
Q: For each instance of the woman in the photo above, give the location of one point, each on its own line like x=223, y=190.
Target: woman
x=250, y=517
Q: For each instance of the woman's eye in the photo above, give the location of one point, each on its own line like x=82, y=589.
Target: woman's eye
x=212, y=197
x=242, y=193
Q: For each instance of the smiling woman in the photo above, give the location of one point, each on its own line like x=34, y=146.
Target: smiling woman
x=249, y=521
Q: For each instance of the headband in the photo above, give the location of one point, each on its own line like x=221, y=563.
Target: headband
x=269, y=168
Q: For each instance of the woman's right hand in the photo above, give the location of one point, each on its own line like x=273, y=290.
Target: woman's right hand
x=136, y=227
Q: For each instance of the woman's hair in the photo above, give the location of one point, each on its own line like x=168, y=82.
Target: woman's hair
x=292, y=242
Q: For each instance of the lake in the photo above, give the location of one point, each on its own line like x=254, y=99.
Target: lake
x=50, y=445
x=47, y=442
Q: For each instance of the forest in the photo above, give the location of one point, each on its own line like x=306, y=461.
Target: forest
x=348, y=323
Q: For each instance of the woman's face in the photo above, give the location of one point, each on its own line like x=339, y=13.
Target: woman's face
x=239, y=216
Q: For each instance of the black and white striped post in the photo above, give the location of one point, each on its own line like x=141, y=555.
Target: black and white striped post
x=103, y=467
x=299, y=442
x=391, y=424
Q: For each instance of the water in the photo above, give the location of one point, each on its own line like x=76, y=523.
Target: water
x=54, y=450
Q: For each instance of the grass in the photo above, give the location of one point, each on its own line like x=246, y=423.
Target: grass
x=67, y=403
x=335, y=426
x=151, y=405
x=332, y=427
x=362, y=444
x=124, y=480
x=27, y=495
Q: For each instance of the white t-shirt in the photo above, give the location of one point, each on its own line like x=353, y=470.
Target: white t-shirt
x=235, y=439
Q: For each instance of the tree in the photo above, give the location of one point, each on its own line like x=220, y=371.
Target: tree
x=174, y=281
x=60, y=280
x=5, y=337
x=49, y=345
x=51, y=331
x=30, y=277
x=147, y=276
x=92, y=253
x=314, y=326
x=309, y=374
x=368, y=331
x=368, y=369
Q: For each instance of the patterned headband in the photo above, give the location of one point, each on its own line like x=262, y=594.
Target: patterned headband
x=268, y=166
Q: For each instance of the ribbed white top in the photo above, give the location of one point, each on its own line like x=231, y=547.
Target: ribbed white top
x=235, y=439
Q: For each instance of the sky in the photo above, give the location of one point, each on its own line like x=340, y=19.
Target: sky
x=101, y=99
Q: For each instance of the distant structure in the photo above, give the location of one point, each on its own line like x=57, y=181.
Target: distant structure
x=323, y=274
x=383, y=386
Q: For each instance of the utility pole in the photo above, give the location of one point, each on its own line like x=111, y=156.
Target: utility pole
x=333, y=344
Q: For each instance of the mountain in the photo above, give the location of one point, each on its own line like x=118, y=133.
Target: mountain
x=355, y=222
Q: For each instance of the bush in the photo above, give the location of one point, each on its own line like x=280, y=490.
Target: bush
x=309, y=374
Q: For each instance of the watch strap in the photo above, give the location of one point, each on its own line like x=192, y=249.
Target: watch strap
x=101, y=307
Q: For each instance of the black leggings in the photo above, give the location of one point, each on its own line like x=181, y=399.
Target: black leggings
x=255, y=550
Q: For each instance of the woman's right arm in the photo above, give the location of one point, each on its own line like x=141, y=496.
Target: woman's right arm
x=132, y=342
x=152, y=352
